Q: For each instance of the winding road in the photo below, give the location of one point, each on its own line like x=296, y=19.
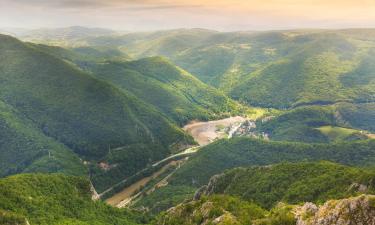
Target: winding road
x=203, y=133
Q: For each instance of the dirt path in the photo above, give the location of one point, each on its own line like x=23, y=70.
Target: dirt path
x=128, y=192
x=207, y=132
x=203, y=132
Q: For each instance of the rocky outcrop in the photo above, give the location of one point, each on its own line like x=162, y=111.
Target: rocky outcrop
x=191, y=214
x=351, y=211
x=211, y=188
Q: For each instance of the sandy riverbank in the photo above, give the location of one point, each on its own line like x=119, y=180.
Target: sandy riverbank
x=206, y=132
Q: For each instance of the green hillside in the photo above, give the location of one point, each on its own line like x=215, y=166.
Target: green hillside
x=319, y=72
x=279, y=69
x=24, y=148
x=66, y=36
x=299, y=124
x=56, y=199
x=155, y=80
x=226, y=154
x=358, y=115
x=87, y=115
x=270, y=195
x=303, y=123
x=173, y=91
x=84, y=56
x=293, y=183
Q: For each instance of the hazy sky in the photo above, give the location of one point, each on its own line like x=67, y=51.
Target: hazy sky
x=166, y=14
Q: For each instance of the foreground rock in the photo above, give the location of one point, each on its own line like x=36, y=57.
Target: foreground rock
x=351, y=211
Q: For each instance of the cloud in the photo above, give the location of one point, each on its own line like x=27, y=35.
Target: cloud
x=58, y=4
x=94, y=4
x=216, y=14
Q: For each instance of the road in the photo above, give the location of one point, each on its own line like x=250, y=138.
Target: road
x=203, y=133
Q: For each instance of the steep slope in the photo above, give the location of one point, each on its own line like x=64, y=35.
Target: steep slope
x=87, y=115
x=170, y=89
x=227, y=154
x=276, y=194
x=24, y=148
x=55, y=199
x=318, y=73
x=293, y=183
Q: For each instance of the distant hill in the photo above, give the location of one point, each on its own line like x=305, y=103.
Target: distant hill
x=279, y=69
x=87, y=115
x=173, y=91
x=56, y=199
x=64, y=35
x=303, y=124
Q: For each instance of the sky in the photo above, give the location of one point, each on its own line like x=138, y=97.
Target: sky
x=224, y=15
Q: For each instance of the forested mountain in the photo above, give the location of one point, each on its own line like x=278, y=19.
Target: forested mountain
x=278, y=69
x=25, y=148
x=63, y=36
x=292, y=183
x=85, y=106
x=173, y=91
x=338, y=122
x=56, y=199
x=271, y=195
x=226, y=154
x=85, y=114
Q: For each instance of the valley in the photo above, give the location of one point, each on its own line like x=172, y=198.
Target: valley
x=203, y=133
x=186, y=126
x=125, y=196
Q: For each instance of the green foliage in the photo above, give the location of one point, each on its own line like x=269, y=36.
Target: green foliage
x=294, y=183
x=170, y=89
x=57, y=199
x=311, y=123
x=164, y=198
x=358, y=115
x=86, y=115
x=341, y=133
x=232, y=211
x=226, y=154
x=279, y=69
x=282, y=214
x=10, y=218
x=24, y=148
x=299, y=124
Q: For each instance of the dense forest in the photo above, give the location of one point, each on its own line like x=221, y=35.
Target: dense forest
x=87, y=114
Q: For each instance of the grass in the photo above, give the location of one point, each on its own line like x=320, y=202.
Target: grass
x=339, y=133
